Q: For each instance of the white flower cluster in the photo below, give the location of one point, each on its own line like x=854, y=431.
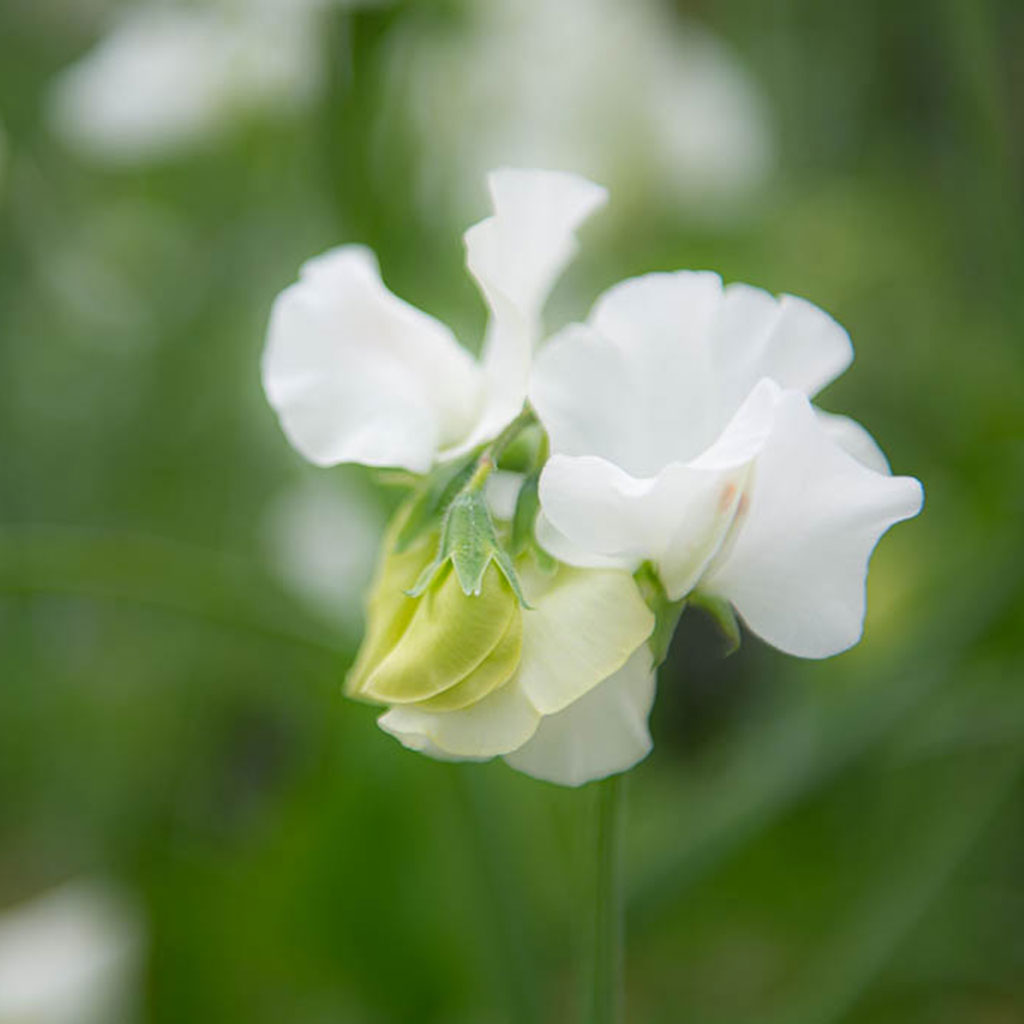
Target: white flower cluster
x=681, y=458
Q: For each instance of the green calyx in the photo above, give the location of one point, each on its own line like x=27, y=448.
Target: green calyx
x=666, y=612
x=469, y=542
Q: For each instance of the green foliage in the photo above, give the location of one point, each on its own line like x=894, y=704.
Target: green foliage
x=809, y=843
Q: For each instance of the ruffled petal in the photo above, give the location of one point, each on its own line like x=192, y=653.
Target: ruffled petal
x=498, y=724
x=795, y=566
x=666, y=360
x=594, y=512
x=602, y=733
x=560, y=547
x=667, y=519
x=516, y=255
x=583, y=626
x=853, y=438
x=635, y=384
x=790, y=340
x=357, y=375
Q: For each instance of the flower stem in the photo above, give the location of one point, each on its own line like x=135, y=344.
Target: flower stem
x=604, y=994
x=488, y=459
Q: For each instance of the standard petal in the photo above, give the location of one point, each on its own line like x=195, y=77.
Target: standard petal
x=789, y=340
x=635, y=384
x=516, y=255
x=602, y=733
x=852, y=437
x=583, y=626
x=499, y=724
x=357, y=375
x=795, y=566
x=520, y=251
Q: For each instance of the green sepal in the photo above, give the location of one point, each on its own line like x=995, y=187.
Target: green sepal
x=721, y=611
x=524, y=520
x=666, y=612
x=428, y=506
x=525, y=516
x=470, y=542
x=521, y=453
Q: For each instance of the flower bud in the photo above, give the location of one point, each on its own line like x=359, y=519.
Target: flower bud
x=442, y=650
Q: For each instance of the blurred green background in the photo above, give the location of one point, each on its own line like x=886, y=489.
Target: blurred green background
x=810, y=843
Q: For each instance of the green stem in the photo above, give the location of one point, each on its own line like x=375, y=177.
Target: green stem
x=488, y=459
x=605, y=994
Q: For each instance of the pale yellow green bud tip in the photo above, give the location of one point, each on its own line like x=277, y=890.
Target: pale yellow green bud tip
x=441, y=650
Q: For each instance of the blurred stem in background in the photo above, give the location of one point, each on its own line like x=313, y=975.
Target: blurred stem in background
x=604, y=992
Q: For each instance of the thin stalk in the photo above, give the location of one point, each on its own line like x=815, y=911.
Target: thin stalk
x=488, y=459
x=604, y=992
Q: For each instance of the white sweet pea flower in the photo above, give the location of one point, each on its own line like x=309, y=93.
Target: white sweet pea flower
x=71, y=956
x=683, y=436
x=685, y=450
x=357, y=375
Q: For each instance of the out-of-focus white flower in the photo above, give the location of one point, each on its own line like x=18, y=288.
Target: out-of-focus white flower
x=623, y=92
x=71, y=956
x=357, y=375
x=322, y=539
x=167, y=78
x=683, y=435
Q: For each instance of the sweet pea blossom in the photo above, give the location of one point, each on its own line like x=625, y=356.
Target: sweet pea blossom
x=684, y=455
x=683, y=436
x=357, y=375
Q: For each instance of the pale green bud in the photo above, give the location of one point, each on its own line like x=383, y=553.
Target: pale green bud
x=442, y=649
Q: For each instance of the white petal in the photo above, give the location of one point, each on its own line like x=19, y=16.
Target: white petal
x=558, y=545
x=796, y=564
x=635, y=385
x=595, y=513
x=357, y=375
x=516, y=255
x=498, y=724
x=787, y=339
x=502, y=492
x=583, y=626
x=602, y=733
x=853, y=438
x=676, y=520
x=578, y=389
x=520, y=251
